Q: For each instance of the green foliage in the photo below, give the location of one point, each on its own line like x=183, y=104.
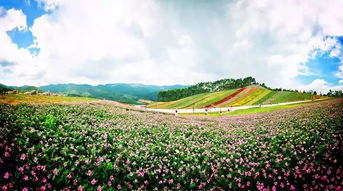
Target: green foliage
x=50, y=121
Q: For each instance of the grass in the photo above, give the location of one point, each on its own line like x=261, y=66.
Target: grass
x=179, y=103
x=20, y=98
x=281, y=97
x=265, y=98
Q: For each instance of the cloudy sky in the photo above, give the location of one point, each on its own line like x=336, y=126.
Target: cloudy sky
x=286, y=43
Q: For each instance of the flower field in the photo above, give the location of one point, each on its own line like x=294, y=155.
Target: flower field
x=250, y=95
x=20, y=98
x=97, y=146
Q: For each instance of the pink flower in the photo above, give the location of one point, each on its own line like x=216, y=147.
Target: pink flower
x=21, y=169
x=55, y=171
x=171, y=181
x=69, y=176
x=111, y=178
x=7, y=154
x=79, y=188
x=22, y=157
x=119, y=187
x=292, y=187
x=6, y=175
x=25, y=189
x=89, y=173
x=99, y=188
x=146, y=182
x=42, y=188
x=26, y=178
x=4, y=188
x=93, y=181
x=44, y=180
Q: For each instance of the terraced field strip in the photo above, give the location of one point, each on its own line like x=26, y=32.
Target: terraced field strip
x=214, y=97
x=265, y=98
x=262, y=92
x=226, y=98
x=229, y=102
x=178, y=103
x=188, y=101
x=241, y=100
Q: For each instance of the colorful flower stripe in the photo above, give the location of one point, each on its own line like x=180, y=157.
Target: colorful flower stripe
x=225, y=99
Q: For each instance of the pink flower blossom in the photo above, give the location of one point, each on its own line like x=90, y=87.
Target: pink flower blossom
x=55, y=171
x=26, y=178
x=119, y=187
x=79, y=188
x=89, y=173
x=21, y=169
x=25, y=189
x=93, y=181
x=292, y=187
x=22, y=157
x=7, y=154
x=6, y=175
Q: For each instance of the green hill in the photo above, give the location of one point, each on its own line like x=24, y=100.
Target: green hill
x=250, y=95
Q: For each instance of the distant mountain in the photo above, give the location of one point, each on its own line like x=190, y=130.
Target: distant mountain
x=127, y=93
x=4, y=88
x=23, y=89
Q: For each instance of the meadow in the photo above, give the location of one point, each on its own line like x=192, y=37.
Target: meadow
x=98, y=146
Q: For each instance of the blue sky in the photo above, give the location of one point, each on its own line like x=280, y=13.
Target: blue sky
x=324, y=66
x=24, y=38
x=172, y=42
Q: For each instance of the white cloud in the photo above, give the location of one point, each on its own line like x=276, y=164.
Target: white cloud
x=162, y=42
x=321, y=86
x=22, y=66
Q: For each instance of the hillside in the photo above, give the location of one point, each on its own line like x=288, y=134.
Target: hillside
x=205, y=87
x=250, y=95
